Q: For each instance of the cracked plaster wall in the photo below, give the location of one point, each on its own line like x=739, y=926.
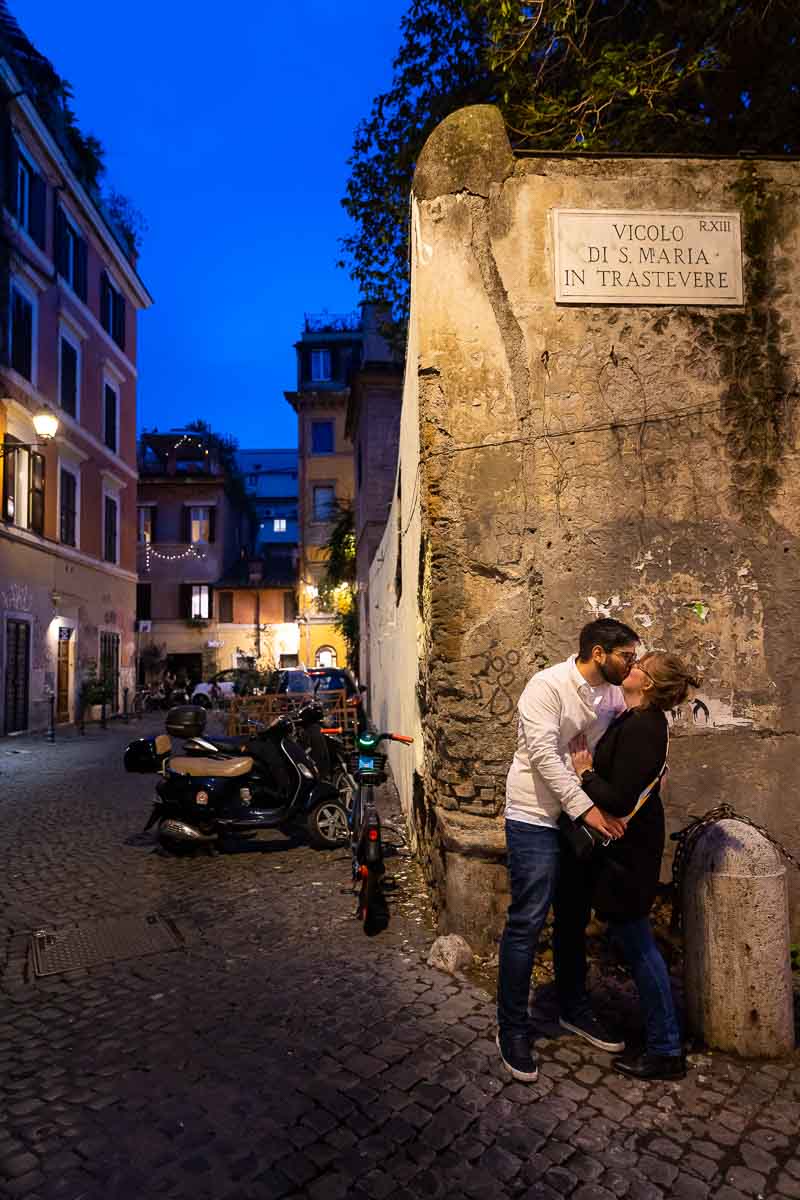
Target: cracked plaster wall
x=634, y=461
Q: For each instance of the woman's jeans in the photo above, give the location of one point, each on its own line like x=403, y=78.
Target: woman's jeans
x=652, y=979
x=533, y=867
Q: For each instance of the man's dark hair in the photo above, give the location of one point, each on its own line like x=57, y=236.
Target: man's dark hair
x=605, y=632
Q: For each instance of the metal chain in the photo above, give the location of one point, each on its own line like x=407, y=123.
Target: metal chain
x=686, y=839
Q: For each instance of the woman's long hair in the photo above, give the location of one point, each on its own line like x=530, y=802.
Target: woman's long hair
x=670, y=680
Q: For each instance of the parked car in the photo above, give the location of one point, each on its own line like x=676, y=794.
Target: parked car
x=289, y=679
x=236, y=681
x=339, y=679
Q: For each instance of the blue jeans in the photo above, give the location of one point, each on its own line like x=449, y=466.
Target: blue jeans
x=650, y=975
x=533, y=867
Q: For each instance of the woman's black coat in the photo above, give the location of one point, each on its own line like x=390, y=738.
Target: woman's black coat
x=627, y=758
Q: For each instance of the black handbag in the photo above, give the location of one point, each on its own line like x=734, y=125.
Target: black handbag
x=582, y=840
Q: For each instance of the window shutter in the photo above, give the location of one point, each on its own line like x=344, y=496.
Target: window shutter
x=143, y=601
x=153, y=524
x=9, y=478
x=36, y=493
x=38, y=209
x=11, y=158
x=212, y=524
x=81, y=268
x=21, y=335
x=118, y=331
x=69, y=377
x=105, y=296
x=61, y=246
x=184, y=600
x=111, y=417
x=186, y=524
x=210, y=603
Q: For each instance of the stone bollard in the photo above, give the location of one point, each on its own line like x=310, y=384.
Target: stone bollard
x=736, y=930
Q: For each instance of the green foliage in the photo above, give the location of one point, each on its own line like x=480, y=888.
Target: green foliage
x=337, y=588
x=662, y=76
x=94, y=690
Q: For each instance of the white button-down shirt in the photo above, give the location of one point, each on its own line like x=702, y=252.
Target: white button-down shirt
x=556, y=705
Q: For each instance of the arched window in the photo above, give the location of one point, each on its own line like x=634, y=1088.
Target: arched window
x=325, y=657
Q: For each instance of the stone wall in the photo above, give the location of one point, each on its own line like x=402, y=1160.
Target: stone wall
x=637, y=461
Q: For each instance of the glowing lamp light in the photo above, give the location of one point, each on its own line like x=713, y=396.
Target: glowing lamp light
x=46, y=425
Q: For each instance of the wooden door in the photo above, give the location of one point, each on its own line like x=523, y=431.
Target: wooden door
x=62, y=678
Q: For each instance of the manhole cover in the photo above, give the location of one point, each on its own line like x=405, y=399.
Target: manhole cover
x=110, y=940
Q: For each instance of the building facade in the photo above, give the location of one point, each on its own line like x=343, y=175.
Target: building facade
x=373, y=427
x=192, y=526
x=270, y=479
x=328, y=352
x=70, y=301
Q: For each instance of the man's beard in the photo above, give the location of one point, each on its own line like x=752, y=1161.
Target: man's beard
x=616, y=680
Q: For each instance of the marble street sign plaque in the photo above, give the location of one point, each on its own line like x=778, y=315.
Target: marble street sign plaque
x=608, y=257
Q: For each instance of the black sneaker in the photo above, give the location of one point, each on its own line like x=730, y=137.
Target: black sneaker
x=588, y=1027
x=651, y=1066
x=516, y=1056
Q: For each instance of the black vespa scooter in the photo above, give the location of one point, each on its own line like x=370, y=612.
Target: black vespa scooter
x=263, y=782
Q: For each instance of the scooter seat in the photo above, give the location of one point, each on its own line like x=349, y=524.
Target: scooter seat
x=220, y=768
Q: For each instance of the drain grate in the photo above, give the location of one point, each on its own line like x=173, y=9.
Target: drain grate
x=110, y=940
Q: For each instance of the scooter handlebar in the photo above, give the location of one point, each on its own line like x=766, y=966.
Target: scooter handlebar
x=401, y=737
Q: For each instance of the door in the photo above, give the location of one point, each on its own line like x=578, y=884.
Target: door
x=62, y=677
x=109, y=666
x=18, y=660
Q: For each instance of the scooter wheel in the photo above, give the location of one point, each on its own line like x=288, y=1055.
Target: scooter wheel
x=327, y=825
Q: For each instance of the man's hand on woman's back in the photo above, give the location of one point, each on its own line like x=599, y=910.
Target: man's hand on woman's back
x=603, y=822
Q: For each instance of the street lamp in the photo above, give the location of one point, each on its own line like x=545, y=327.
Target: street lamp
x=45, y=422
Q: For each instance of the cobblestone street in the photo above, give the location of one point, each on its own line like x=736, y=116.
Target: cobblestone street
x=280, y=1052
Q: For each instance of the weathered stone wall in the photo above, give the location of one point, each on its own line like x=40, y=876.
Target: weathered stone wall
x=634, y=461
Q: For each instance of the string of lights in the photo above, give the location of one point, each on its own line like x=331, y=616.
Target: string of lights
x=189, y=552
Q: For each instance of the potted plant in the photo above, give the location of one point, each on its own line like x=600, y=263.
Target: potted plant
x=94, y=693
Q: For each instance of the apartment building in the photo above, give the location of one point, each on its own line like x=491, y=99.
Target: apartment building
x=328, y=351
x=70, y=297
x=270, y=479
x=193, y=525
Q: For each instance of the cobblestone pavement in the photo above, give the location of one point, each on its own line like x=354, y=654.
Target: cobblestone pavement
x=283, y=1053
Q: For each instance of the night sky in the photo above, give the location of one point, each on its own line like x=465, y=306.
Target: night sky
x=229, y=126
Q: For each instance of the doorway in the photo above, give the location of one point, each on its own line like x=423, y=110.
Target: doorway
x=18, y=661
x=109, y=666
x=62, y=674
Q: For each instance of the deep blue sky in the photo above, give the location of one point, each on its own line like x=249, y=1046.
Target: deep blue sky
x=229, y=126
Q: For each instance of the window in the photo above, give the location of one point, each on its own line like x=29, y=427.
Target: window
x=279, y=525
x=144, y=601
x=320, y=366
x=322, y=437
x=29, y=197
x=69, y=372
x=110, y=408
x=324, y=503
x=36, y=493
x=200, y=605
x=71, y=254
x=325, y=657
x=200, y=525
x=144, y=527
x=22, y=332
x=225, y=611
x=68, y=505
x=289, y=607
x=112, y=310
x=23, y=486
x=110, y=530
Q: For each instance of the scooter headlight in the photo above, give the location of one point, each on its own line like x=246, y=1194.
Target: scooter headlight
x=201, y=798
